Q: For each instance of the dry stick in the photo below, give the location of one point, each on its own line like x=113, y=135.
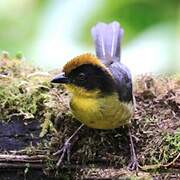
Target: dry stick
x=21, y=161
x=11, y=156
x=155, y=166
x=172, y=162
x=23, y=151
x=21, y=158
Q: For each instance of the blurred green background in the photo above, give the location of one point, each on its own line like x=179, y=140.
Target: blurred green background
x=50, y=32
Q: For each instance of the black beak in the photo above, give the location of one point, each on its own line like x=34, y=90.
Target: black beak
x=61, y=78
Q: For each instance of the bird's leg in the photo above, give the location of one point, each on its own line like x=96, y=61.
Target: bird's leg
x=134, y=165
x=66, y=148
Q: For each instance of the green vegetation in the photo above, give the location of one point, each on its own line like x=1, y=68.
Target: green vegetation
x=135, y=16
x=27, y=90
x=19, y=23
x=172, y=146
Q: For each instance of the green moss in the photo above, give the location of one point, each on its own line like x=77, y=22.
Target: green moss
x=166, y=149
x=21, y=96
x=171, y=146
x=26, y=90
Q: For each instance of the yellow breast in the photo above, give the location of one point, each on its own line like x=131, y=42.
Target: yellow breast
x=101, y=112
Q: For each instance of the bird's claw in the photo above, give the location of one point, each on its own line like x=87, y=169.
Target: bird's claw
x=64, y=150
x=133, y=165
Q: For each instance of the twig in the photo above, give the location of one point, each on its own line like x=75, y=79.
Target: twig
x=155, y=166
x=172, y=162
x=21, y=158
x=21, y=161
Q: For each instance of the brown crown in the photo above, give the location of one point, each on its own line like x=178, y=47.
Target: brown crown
x=80, y=60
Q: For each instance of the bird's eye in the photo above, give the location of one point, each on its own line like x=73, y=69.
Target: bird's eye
x=81, y=77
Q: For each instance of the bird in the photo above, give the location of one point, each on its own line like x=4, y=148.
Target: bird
x=101, y=86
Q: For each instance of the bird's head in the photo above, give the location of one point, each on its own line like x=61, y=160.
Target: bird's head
x=86, y=75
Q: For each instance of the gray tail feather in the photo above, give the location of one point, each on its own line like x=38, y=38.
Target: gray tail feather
x=107, y=39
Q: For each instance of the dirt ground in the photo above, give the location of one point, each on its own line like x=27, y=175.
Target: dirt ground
x=26, y=91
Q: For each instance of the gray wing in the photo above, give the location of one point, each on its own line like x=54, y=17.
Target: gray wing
x=123, y=81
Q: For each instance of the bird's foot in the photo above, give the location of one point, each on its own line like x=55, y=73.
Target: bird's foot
x=65, y=150
x=134, y=165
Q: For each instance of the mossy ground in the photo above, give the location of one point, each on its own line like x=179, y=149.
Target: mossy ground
x=156, y=123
